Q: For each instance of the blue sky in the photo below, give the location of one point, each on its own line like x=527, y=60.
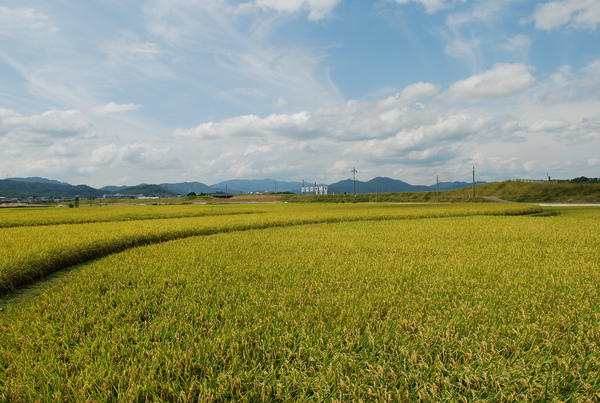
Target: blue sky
x=105, y=92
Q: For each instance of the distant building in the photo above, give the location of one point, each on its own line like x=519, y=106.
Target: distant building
x=317, y=190
x=548, y=180
x=115, y=196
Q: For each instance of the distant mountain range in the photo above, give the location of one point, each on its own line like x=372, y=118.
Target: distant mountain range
x=38, y=187
x=388, y=185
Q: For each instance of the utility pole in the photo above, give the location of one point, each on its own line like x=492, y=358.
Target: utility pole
x=354, y=171
x=473, y=181
x=377, y=191
x=275, y=187
x=437, y=187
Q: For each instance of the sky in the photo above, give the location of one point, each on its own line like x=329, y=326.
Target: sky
x=111, y=92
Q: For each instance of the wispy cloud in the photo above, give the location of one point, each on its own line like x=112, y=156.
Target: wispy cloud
x=113, y=107
x=583, y=14
x=235, y=46
x=317, y=9
x=16, y=20
x=430, y=5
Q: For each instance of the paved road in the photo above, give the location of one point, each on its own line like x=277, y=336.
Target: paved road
x=545, y=204
x=568, y=204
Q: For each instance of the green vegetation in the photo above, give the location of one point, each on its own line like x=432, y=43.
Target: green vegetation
x=583, y=179
x=462, y=302
x=515, y=191
x=527, y=192
x=11, y=188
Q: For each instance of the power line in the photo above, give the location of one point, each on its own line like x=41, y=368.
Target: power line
x=354, y=171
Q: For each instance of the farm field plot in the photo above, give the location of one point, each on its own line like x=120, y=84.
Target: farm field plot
x=11, y=217
x=36, y=245
x=454, y=307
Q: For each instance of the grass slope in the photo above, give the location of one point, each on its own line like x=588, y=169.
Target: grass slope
x=526, y=192
x=516, y=191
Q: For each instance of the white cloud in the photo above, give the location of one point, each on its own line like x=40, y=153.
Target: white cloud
x=447, y=129
x=502, y=81
x=577, y=13
x=121, y=157
x=354, y=120
x=252, y=149
x=128, y=47
x=583, y=132
x=318, y=9
x=66, y=148
x=7, y=113
x=23, y=18
x=147, y=155
x=413, y=132
x=546, y=125
x=430, y=5
x=249, y=125
x=113, y=107
x=246, y=88
x=103, y=155
x=593, y=68
x=417, y=91
x=465, y=49
x=281, y=102
x=518, y=45
x=466, y=40
x=52, y=123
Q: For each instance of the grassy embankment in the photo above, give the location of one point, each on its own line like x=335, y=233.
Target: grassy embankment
x=515, y=191
x=525, y=192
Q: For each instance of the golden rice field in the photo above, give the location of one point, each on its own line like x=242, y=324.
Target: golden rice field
x=304, y=303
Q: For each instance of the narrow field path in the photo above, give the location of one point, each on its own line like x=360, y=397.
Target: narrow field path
x=496, y=199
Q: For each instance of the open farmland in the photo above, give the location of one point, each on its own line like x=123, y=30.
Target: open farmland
x=40, y=246
x=308, y=303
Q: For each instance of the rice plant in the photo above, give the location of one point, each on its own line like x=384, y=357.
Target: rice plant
x=455, y=308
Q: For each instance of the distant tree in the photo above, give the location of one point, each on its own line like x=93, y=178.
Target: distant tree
x=583, y=179
x=191, y=194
